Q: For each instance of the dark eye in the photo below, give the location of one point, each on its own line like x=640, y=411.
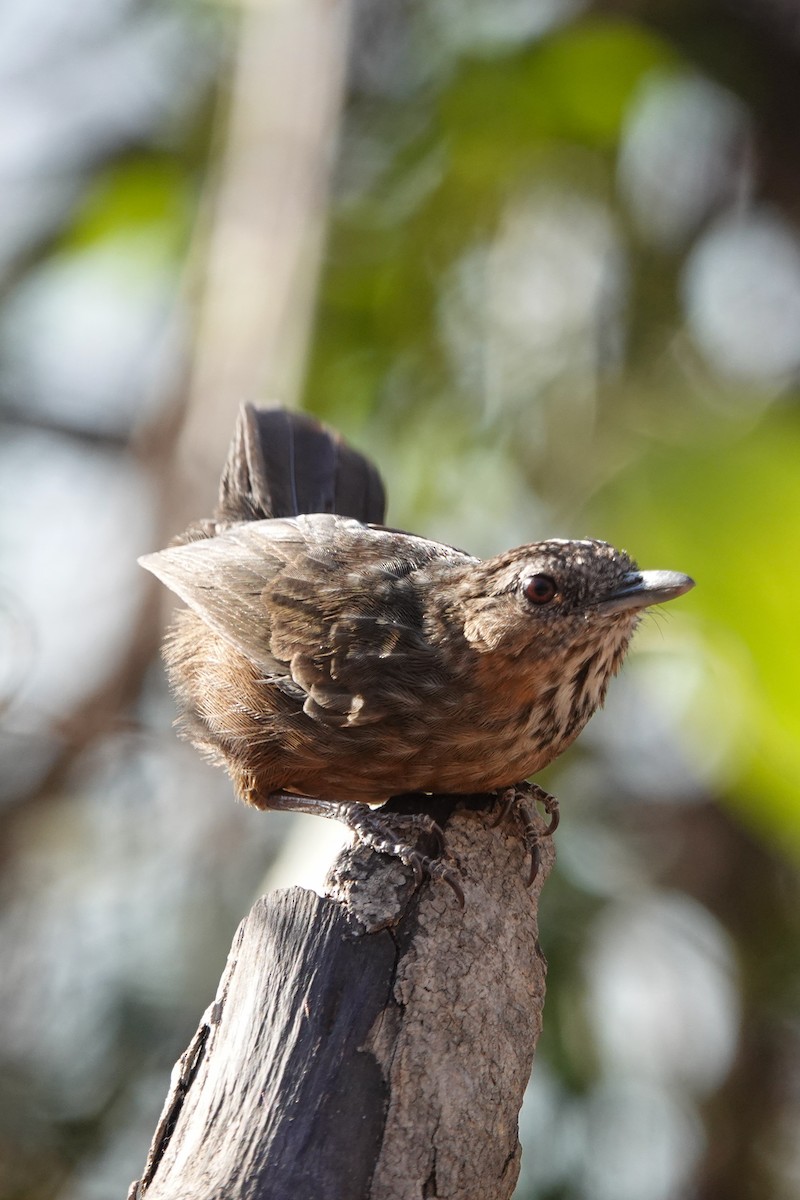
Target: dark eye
x=540, y=589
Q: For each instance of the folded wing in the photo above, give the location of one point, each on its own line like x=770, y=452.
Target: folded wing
x=325, y=606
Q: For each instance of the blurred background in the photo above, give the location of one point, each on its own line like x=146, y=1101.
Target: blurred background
x=541, y=259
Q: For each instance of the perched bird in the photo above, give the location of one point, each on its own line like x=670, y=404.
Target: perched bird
x=331, y=663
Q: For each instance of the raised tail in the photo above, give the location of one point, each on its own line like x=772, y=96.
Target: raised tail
x=282, y=464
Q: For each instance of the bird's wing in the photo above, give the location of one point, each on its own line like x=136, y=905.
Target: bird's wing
x=324, y=605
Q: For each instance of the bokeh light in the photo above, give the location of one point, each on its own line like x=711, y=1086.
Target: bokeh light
x=541, y=261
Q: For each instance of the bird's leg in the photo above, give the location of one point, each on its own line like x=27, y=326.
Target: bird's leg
x=521, y=800
x=396, y=834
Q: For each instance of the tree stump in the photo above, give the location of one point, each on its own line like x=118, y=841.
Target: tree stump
x=372, y=1043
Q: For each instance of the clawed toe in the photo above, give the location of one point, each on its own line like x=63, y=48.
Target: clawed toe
x=521, y=801
x=434, y=868
x=536, y=861
x=399, y=835
x=506, y=797
x=392, y=833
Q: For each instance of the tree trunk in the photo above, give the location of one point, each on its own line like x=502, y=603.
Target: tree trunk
x=372, y=1043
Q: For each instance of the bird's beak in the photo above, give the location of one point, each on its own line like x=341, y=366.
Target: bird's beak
x=640, y=589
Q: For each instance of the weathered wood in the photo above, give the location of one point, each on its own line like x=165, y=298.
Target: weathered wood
x=374, y=1043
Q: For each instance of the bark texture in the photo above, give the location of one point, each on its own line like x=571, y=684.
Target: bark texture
x=374, y=1043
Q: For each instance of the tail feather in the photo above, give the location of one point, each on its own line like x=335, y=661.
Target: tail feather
x=282, y=464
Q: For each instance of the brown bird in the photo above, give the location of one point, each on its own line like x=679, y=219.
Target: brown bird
x=331, y=663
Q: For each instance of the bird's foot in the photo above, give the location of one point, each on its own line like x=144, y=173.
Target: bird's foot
x=520, y=802
x=398, y=834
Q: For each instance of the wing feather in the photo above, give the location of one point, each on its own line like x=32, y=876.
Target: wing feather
x=327, y=607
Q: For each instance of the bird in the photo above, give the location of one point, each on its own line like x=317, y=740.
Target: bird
x=331, y=662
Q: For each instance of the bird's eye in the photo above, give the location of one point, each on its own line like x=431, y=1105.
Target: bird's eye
x=540, y=589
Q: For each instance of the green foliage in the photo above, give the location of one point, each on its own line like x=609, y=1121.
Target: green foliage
x=146, y=197
x=725, y=509
x=498, y=125
x=574, y=86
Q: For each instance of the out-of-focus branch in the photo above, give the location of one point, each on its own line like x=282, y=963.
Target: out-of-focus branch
x=254, y=270
x=266, y=228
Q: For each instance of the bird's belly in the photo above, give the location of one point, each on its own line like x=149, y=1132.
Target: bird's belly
x=372, y=765
x=474, y=736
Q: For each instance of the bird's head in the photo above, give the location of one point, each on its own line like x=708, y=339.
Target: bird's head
x=559, y=594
